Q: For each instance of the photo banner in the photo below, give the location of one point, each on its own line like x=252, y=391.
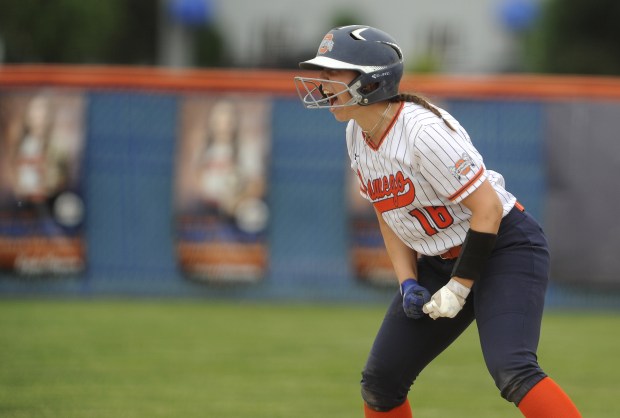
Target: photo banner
x=221, y=210
x=41, y=201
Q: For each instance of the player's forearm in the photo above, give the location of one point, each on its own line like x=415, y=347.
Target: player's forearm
x=484, y=224
x=403, y=258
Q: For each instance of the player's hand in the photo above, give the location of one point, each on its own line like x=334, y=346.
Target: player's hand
x=447, y=301
x=414, y=298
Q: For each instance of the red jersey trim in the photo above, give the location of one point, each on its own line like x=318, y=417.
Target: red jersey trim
x=466, y=186
x=389, y=128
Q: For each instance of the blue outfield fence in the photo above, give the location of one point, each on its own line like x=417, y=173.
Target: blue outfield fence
x=128, y=180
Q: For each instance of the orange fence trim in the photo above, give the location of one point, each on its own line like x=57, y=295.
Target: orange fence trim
x=280, y=82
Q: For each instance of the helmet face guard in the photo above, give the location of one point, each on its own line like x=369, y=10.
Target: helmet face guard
x=310, y=91
x=371, y=53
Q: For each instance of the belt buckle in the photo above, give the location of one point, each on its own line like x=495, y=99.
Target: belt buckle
x=451, y=254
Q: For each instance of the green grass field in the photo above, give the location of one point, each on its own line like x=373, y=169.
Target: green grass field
x=77, y=359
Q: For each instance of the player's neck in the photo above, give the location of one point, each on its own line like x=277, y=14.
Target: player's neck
x=376, y=121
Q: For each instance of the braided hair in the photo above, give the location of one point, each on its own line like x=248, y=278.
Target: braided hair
x=420, y=101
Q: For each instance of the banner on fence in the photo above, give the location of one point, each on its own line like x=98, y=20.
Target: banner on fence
x=221, y=185
x=41, y=204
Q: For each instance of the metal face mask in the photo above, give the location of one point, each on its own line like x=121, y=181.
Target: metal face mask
x=314, y=95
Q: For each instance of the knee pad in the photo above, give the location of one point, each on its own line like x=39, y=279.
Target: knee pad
x=514, y=384
x=381, y=400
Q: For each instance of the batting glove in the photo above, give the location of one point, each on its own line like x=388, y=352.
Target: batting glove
x=447, y=301
x=414, y=298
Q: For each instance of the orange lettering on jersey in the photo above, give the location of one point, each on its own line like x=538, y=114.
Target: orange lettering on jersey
x=388, y=193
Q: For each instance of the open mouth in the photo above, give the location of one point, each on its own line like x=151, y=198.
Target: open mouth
x=318, y=93
x=329, y=96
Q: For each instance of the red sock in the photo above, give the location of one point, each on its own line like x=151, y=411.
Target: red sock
x=547, y=400
x=402, y=411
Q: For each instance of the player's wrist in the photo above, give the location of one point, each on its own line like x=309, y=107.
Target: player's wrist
x=458, y=288
x=407, y=284
x=465, y=282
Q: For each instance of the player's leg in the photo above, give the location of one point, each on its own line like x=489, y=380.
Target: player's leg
x=547, y=399
x=401, y=411
x=509, y=300
x=404, y=346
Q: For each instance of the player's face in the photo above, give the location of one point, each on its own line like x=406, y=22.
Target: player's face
x=339, y=91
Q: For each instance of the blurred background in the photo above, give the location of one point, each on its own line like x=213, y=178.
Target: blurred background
x=158, y=147
x=179, y=236
x=483, y=36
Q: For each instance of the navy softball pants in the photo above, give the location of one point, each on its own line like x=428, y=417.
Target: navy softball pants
x=506, y=302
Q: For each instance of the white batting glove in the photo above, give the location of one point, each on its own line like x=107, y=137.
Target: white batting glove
x=447, y=301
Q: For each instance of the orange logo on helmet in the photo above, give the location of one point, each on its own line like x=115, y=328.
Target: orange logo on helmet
x=326, y=44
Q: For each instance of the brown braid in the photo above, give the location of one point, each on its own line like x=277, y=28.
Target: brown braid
x=420, y=101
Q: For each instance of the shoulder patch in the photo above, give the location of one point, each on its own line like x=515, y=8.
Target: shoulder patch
x=462, y=166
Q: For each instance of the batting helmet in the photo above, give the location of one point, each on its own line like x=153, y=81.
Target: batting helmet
x=370, y=52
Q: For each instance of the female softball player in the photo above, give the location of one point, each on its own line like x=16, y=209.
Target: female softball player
x=481, y=256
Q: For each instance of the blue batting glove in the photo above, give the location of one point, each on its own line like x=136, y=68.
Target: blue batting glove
x=414, y=298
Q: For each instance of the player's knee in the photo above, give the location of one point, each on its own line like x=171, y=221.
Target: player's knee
x=514, y=382
x=381, y=399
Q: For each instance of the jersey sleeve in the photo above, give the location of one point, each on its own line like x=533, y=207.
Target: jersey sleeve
x=449, y=161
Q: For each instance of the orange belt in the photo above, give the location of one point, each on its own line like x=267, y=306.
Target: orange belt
x=519, y=206
x=454, y=252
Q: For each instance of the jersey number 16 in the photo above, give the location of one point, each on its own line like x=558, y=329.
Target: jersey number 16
x=433, y=218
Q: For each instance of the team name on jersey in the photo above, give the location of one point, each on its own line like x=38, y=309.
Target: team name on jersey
x=389, y=192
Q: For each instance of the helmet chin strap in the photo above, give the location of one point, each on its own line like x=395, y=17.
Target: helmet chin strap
x=354, y=87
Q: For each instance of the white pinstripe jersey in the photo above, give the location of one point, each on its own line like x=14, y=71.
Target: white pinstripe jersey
x=418, y=175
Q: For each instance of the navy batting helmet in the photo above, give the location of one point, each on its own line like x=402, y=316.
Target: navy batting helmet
x=370, y=52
